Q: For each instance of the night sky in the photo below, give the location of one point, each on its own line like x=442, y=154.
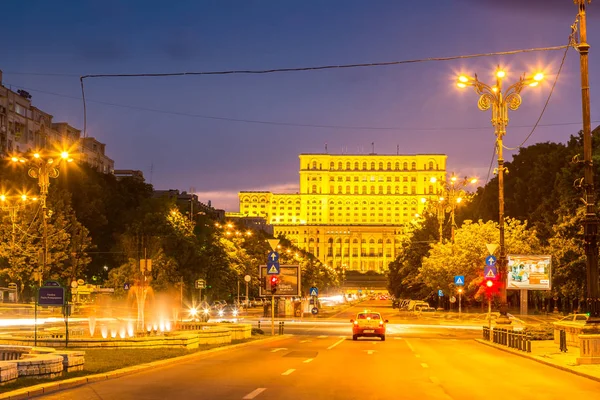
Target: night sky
x=166, y=126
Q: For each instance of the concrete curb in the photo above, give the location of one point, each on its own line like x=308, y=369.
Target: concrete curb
x=538, y=359
x=49, y=387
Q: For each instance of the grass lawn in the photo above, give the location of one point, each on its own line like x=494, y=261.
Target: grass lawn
x=105, y=360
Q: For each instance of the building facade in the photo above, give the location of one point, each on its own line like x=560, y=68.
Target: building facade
x=351, y=210
x=24, y=128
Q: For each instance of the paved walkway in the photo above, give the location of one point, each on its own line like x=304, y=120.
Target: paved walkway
x=547, y=352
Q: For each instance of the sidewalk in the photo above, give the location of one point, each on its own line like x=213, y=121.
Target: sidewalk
x=547, y=352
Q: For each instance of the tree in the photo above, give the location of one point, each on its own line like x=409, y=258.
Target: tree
x=403, y=274
x=467, y=255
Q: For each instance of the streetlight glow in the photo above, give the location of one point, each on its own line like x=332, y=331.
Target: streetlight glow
x=499, y=101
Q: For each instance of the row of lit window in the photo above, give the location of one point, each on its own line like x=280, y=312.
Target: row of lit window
x=371, y=166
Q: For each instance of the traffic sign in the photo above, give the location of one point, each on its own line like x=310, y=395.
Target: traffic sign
x=200, y=284
x=273, y=268
x=490, y=272
x=491, y=247
x=490, y=260
x=273, y=243
x=314, y=311
x=126, y=286
x=314, y=291
x=273, y=257
x=459, y=280
x=51, y=296
x=440, y=293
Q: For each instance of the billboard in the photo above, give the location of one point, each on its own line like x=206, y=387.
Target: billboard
x=529, y=272
x=289, y=281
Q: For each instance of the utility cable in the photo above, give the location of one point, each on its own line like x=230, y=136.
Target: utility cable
x=298, y=69
x=284, y=123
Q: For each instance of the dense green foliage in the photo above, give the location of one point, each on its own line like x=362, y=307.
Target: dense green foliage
x=544, y=215
x=100, y=228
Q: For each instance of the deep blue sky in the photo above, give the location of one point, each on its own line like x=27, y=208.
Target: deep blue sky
x=218, y=157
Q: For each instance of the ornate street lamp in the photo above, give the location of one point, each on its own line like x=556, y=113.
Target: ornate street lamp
x=43, y=168
x=453, y=193
x=500, y=102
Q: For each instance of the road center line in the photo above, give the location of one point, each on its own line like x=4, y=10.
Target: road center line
x=336, y=343
x=322, y=336
x=289, y=371
x=424, y=365
x=410, y=346
x=254, y=393
x=307, y=361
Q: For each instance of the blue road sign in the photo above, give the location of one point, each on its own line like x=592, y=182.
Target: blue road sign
x=314, y=291
x=459, y=280
x=490, y=260
x=272, y=268
x=314, y=311
x=126, y=286
x=440, y=293
x=51, y=296
x=490, y=272
x=273, y=257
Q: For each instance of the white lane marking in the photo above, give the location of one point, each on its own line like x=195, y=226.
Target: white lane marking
x=278, y=349
x=410, y=346
x=398, y=338
x=424, y=365
x=305, y=341
x=322, y=336
x=307, y=361
x=289, y=371
x=418, y=355
x=435, y=380
x=336, y=343
x=254, y=393
x=369, y=352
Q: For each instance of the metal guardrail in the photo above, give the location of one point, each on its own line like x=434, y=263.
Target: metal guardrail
x=506, y=337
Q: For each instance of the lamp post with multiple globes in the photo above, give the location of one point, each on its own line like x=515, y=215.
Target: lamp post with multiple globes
x=500, y=101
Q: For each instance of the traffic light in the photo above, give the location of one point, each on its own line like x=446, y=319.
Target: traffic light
x=274, y=282
x=490, y=286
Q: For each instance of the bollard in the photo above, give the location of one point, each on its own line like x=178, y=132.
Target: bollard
x=563, y=341
x=528, y=339
x=281, y=327
x=259, y=324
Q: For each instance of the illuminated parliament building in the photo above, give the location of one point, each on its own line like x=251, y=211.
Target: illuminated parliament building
x=351, y=210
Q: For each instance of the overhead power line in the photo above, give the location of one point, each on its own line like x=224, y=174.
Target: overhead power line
x=323, y=67
x=286, y=123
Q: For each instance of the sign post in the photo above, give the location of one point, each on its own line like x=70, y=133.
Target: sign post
x=200, y=284
x=247, y=279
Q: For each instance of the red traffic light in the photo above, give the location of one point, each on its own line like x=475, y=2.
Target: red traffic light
x=274, y=280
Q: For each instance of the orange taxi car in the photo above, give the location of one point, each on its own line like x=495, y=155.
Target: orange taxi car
x=368, y=324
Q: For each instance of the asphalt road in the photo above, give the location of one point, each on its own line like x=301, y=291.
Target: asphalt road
x=314, y=365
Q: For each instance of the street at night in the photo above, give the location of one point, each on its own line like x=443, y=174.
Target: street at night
x=319, y=361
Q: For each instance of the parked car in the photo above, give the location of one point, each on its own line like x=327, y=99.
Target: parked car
x=578, y=318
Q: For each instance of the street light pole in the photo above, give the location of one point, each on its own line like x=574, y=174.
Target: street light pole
x=493, y=97
x=42, y=170
x=591, y=220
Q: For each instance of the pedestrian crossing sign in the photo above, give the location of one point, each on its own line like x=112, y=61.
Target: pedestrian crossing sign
x=459, y=280
x=273, y=268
